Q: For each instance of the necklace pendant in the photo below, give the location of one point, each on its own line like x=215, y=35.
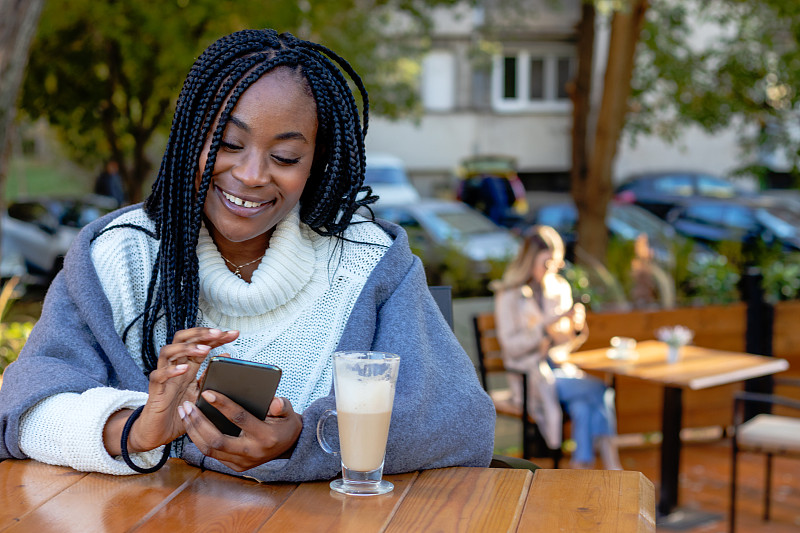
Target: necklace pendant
x=237, y=273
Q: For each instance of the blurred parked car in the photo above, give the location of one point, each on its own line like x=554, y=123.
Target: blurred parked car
x=387, y=176
x=11, y=261
x=744, y=221
x=42, y=229
x=436, y=227
x=490, y=184
x=660, y=192
x=623, y=221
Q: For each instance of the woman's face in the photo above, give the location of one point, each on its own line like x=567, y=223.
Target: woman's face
x=263, y=162
x=541, y=265
x=545, y=263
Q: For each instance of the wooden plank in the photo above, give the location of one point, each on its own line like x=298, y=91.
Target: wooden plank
x=315, y=508
x=723, y=327
x=218, y=502
x=596, y=501
x=464, y=500
x=101, y=502
x=25, y=485
x=486, y=321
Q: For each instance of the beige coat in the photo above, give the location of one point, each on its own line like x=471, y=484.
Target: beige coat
x=521, y=330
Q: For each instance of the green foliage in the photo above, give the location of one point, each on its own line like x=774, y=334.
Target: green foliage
x=619, y=256
x=13, y=335
x=781, y=279
x=106, y=73
x=595, y=287
x=710, y=281
x=745, y=74
x=29, y=177
x=465, y=277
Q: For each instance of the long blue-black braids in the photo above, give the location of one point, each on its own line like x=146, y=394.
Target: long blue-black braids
x=216, y=81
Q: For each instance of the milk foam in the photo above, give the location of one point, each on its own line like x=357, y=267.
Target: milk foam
x=357, y=396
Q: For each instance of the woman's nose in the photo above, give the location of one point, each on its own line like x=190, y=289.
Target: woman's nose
x=251, y=169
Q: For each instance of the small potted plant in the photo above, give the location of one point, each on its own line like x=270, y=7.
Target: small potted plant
x=675, y=337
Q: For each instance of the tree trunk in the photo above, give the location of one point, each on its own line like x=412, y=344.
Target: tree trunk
x=17, y=28
x=580, y=91
x=592, y=198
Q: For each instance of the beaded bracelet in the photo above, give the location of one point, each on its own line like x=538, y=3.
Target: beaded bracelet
x=124, y=446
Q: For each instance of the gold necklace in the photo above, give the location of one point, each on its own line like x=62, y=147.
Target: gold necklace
x=237, y=272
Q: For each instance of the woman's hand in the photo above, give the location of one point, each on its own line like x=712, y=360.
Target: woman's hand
x=260, y=440
x=578, y=316
x=172, y=382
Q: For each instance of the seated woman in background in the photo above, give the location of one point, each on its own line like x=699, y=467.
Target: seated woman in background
x=537, y=326
x=248, y=244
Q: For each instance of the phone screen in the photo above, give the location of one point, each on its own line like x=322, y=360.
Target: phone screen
x=251, y=385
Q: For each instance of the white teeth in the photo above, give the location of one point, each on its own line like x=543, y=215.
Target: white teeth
x=238, y=201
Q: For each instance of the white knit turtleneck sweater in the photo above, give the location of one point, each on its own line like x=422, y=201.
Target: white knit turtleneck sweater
x=291, y=314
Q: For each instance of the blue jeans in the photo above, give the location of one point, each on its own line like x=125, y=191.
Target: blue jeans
x=592, y=416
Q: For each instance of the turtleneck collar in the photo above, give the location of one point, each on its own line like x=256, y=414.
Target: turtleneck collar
x=286, y=275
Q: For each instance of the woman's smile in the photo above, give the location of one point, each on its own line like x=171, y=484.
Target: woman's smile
x=244, y=207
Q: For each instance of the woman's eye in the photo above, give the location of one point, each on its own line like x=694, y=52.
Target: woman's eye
x=285, y=160
x=229, y=146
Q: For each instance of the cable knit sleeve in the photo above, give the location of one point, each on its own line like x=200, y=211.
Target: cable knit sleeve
x=67, y=429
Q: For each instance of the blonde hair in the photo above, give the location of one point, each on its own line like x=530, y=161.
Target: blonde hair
x=536, y=239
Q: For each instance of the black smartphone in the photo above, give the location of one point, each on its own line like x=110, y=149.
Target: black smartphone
x=251, y=385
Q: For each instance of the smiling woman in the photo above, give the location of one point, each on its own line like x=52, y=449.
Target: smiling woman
x=248, y=245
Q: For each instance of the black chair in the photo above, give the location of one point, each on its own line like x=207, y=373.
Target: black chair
x=764, y=433
x=444, y=299
x=490, y=362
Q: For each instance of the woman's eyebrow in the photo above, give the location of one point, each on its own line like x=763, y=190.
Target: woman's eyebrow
x=291, y=136
x=239, y=123
x=286, y=136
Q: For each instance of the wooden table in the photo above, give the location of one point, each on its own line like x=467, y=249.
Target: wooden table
x=43, y=498
x=698, y=368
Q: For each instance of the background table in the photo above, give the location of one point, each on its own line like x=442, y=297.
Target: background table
x=179, y=497
x=698, y=368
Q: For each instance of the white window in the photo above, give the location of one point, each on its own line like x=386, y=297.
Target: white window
x=438, y=81
x=533, y=80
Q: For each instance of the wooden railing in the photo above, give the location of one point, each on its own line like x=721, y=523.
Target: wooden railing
x=719, y=327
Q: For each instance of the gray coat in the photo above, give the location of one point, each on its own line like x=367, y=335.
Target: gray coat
x=441, y=415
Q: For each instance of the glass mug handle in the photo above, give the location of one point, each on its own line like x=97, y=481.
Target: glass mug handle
x=320, y=431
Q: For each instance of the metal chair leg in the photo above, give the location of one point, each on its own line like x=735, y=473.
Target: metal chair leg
x=732, y=511
x=767, y=486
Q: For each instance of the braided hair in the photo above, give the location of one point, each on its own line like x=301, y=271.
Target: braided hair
x=216, y=81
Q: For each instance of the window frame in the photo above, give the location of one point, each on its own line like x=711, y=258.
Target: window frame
x=550, y=55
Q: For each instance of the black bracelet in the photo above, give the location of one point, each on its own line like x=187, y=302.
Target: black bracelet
x=124, y=446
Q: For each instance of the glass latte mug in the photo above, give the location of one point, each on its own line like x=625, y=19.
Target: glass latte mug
x=364, y=384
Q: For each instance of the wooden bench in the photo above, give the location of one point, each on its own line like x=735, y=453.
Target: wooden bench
x=491, y=364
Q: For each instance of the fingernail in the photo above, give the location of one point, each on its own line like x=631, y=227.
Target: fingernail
x=187, y=407
x=181, y=412
x=181, y=367
x=215, y=331
x=203, y=347
x=210, y=396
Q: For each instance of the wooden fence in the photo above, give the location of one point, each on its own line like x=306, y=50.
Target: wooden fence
x=720, y=327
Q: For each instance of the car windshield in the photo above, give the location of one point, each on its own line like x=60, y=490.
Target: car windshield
x=385, y=175
x=630, y=221
x=458, y=224
x=715, y=187
x=782, y=221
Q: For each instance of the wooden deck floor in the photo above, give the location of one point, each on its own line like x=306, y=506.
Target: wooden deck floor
x=704, y=485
